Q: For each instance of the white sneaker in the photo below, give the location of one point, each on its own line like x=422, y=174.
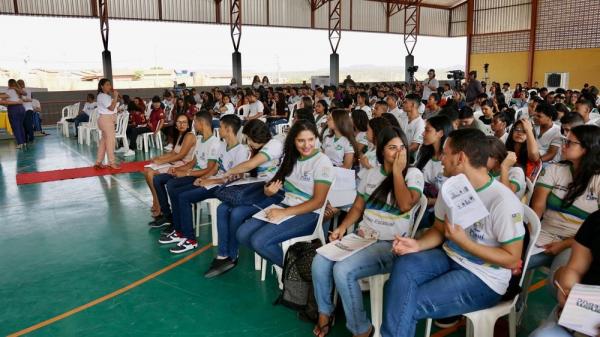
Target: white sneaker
x=169, y=147
x=121, y=150
x=129, y=153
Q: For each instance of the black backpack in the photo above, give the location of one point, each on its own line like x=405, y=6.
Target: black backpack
x=298, y=293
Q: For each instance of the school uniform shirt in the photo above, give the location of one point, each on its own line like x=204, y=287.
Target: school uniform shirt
x=299, y=185
x=255, y=108
x=273, y=150
x=414, y=131
x=371, y=155
x=387, y=219
x=361, y=138
x=335, y=148
x=27, y=105
x=321, y=122
x=433, y=175
x=589, y=236
x=88, y=108
x=207, y=150
x=12, y=95
x=565, y=222
x=231, y=157
x=516, y=176
x=156, y=115
x=138, y=119
x=552, y=137
x=104, y=101
x=230, y=110
x=502, y=226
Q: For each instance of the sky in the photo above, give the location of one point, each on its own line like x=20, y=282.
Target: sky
x=76, y=44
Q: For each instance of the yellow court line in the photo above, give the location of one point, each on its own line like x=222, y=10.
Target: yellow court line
x=537, y=285
x=111, y=295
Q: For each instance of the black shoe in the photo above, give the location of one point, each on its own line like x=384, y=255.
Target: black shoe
x=218, y=267
x=167, y=230
x=448, y=322
x=160, y=222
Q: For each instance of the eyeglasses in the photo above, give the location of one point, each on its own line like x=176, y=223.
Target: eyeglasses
x=567, y=142
x=182, y=122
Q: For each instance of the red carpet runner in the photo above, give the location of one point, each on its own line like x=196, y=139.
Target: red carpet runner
x=80, y=172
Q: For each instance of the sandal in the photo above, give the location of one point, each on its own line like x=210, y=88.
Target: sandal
x=318, y=330
x=114, y=166
x=99, y=166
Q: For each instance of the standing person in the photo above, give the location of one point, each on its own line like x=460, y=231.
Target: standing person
x=106, y=123
x=28, y=121
x=474, y=88
x=16, y=112
x=472, y=270
x=430, y=86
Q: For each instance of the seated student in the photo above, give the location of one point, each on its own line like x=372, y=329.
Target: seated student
x=37, y=117
x=566, y=193
x=369, y=159
x=138, y=125
x=501, y=122
x=321, y=115
x=182, y=154
x=85, y=113
x=474, y=266
x=359, y=123
x=386, y=195
x=467, y=120
x=339, y=144
x=521, y=141
x=380, y=108
x=583, y=267
x=487, y=113
x=361, y=103
x=305, y=175
x=266, y=156
x=501, y=166
x=569, y=121
x=548, y=134
x=437, y=129
x=433, y=106
x=415, y=125
x=204, y=165
x=230, y=154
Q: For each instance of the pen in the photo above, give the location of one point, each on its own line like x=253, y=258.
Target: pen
x=560, y=288
x=255, y=205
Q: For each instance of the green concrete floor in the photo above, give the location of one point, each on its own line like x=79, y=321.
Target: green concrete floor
x=66, y=243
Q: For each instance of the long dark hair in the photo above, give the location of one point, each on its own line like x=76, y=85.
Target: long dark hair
x=360, y=120
x=258, y=132
x=381, y=193
x=290, y=152
x=522, y=155
x=101, y=83
x=343, y=124
x=181, y=135
x=377, y=124
x=426, y=152
x=589, y=139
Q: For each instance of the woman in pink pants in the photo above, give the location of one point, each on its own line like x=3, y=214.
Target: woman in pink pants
x=106, y=123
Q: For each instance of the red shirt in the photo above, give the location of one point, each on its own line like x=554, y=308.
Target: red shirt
x=191, y=113
x=156, y=116
x=138, y=119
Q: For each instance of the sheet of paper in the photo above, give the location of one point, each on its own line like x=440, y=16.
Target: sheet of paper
x=156, y=167
x=261, y=215
x=464, y=205
x=342, y=197
x=344, y=179
x=582, y=310
x=349, y=245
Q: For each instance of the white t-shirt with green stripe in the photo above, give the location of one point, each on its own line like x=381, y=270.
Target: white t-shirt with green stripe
x=387, y=219
x=502, y=226
x=433, y=173
x=230, y=157
x=273, y=150
x=516, y=176
x=564, y=222
x=207, y=150
x=300, y=184
x=335, y=148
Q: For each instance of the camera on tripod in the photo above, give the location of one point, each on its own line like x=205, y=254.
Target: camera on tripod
x=412, y=69
x=457, y=76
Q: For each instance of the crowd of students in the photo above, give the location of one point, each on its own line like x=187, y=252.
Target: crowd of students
x=24, y=113
x=403, y=141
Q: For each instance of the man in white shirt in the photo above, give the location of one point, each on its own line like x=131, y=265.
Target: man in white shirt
x=28, y=122
x=430, y=85
x=584, y=109
x=416, y=125
x=256, y=107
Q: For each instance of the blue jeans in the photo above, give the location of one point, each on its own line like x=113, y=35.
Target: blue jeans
x=429, y=284
x=373, y=260
x=264, y=237
x=182, y=198
x=165, y=181
x=229, y=219
x=550, y=328
x=37, y=121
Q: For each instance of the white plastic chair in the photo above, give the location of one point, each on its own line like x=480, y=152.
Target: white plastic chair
x=481, y=323
x=121, y=128
x=213, y=203
x=376, y=282
x=84, y=130
x=151, y=139
x=529, y=193
x=68, y=112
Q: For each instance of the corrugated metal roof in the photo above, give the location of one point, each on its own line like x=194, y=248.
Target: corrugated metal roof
x=494, y=16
